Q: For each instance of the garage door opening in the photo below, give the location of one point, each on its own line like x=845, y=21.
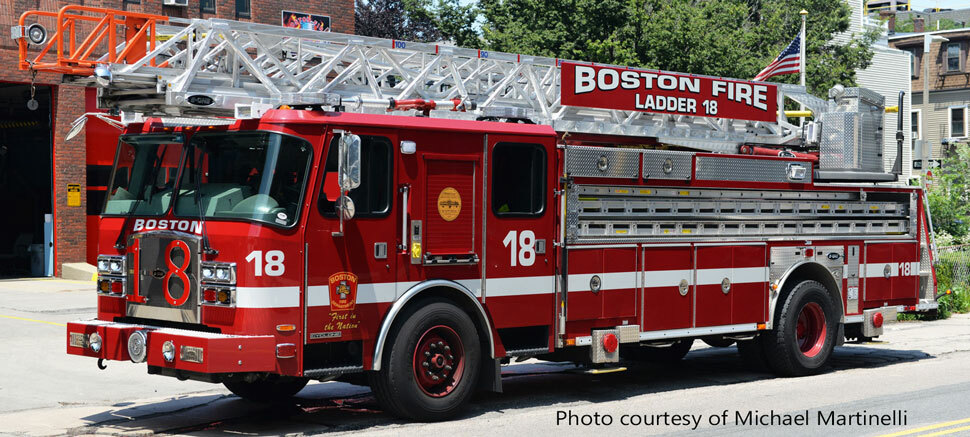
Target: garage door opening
x=25, y=178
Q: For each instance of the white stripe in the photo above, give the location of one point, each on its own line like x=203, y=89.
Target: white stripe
x=741, y=275
x=386, y=292
x=875, y=270
x=667, y=278
x=519, y=286
x=318, y=296
x=609, y=281
x=268, y=297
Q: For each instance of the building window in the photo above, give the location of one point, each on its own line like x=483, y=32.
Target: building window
x=914, y=124
x=242, y=8
x=372, y=198
x=518, y=180
x=953, y=57
x=958, y=121
x=914, y=62
x=207, y=6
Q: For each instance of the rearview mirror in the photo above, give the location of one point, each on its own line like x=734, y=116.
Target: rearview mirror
x=348, y=162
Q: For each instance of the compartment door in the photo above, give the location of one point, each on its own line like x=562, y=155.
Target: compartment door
x=450, y=208
x=668, y=288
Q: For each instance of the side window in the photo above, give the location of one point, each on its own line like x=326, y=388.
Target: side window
x=373, y=197
x=518, y=180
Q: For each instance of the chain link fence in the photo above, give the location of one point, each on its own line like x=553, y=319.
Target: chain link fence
x=953, y=268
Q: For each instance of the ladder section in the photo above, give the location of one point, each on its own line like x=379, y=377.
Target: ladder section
x=218, y=67
x=598, y=213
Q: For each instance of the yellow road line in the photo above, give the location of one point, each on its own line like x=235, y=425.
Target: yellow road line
x=32, y=320
x=947, y=431
x=927, y=428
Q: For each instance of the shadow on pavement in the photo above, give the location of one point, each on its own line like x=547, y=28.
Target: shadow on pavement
x=338, y=406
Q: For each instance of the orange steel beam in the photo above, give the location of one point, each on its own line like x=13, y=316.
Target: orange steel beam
x=139, y=32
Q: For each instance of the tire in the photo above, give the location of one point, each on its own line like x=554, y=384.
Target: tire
x=662, y=355
x=436, y=340
x=271, y=389
x=716, y=341
x=805, y=332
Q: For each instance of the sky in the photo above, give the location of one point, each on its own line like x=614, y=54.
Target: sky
x=919, y=5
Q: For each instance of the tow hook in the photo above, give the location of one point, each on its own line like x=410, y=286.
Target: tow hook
x=101, y=364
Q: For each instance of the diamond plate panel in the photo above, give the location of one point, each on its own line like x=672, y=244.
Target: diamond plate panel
x=747, y=169
x=662, y=164
x=601, y=162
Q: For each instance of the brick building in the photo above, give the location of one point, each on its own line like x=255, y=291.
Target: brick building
x=38, y=167
x=945, y=71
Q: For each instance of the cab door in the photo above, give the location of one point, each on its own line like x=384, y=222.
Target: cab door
x=520, y=233
x=351, y=270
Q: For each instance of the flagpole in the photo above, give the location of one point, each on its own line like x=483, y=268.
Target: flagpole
x=801, y=59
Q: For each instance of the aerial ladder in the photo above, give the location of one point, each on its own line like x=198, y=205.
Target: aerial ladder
x=153, y=65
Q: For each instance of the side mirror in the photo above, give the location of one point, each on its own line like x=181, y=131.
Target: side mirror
x=346, y=208
x=348, y=162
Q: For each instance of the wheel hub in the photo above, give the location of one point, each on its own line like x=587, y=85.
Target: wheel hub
x=438, y=361
x=810, y=331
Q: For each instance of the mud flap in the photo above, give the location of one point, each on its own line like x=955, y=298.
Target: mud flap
x=840, y=338
x=490, y=379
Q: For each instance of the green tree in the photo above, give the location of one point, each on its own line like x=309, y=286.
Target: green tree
x=732, y=38
x=417, y=20
x=949, y=197
x=908, y=25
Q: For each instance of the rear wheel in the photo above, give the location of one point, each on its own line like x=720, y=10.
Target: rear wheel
x=273, y=388
x=430, y=370
x=805, y=335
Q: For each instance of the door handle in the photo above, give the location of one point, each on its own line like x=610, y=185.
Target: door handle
x=403, y=247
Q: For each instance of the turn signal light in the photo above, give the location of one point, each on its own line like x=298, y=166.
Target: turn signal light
x=104, y=285
x=286, y=328
x=223, y=297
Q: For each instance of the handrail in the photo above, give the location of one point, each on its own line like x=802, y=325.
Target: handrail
x=139, y=33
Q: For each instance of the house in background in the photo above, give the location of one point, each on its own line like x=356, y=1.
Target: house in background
x=941, y=72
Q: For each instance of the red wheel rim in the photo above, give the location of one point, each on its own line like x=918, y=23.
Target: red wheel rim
x=439, y=361
x=811, y=329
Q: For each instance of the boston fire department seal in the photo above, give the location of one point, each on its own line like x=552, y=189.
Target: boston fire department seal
x=449, y=204
x=343, y=291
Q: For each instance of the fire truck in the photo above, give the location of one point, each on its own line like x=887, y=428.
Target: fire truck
x=289, y=205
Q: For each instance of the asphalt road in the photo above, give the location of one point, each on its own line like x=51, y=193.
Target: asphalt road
x=916, y=381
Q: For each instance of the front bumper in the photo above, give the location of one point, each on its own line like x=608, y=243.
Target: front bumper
x=220, y=353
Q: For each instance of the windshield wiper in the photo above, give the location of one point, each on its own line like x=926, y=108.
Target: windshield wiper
x=206, y=248
x=157, y=165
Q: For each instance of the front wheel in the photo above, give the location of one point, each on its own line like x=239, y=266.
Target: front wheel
x=806, y=331
x=430, y=371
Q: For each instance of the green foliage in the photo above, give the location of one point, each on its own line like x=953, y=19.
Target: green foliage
x=732, y=38
x=949, y=197
x=418, y=20
x=909, y=25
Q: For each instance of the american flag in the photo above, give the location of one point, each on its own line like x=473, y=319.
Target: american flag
x=786, y=63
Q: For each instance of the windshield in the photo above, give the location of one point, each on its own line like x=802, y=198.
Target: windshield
x=144, y=176
x=245, y=175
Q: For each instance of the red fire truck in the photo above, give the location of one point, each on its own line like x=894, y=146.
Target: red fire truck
x=289, y=205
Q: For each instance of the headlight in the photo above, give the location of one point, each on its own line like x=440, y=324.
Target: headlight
x=94, y=341
x=111, y=265
x=168, y=351
x=138, y=346
x=218, y=272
